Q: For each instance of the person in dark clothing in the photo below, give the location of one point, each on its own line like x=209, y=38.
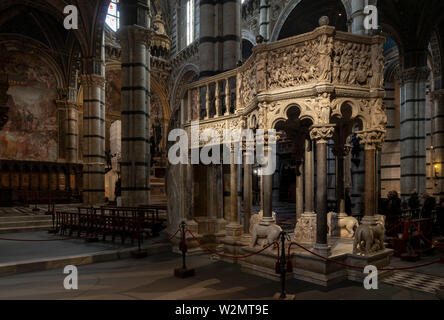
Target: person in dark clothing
x=414, y=203
x=441, y=217
x=393, y=209
x=429, y=205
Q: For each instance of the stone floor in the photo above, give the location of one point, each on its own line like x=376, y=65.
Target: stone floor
x=152, y=278
x=14, y=251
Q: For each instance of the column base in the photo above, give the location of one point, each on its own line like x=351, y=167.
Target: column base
x=233, y=231
x=322, y=249
x=305, y=230
x=266, y=221
x=232, y=241
x=369, y=220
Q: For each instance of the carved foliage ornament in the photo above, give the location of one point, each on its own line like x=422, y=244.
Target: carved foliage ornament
x=371, y=139
x=322, y=134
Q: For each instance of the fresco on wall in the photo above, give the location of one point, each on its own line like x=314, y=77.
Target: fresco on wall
x=113, y=85
x=31, y=132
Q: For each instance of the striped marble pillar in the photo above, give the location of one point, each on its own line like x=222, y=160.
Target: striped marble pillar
x=357, y=23
x=231, y=33
x=72, y=132
x=413, y=131
x=135, y=164
x=390, y=153
x=264, y=19
x=438, y=142
x=93, y=138
x=207, y=38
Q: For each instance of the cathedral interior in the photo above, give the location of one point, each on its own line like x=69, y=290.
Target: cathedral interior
x=345, y=97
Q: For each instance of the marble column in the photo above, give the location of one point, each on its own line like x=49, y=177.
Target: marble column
x=276, y=182
x=267, y=191
x=321, y=136
x=358, y=16
x=248, y=193
x=309, y=177
x=234, y=229
x=413, y=130
x=231, y=34
x=341, y=152
x=189, y=196
x=305, y=230
x=93, y=138
x=264, y=19
x=221, y=222
x=299, y=189
x=438, y=142
x=72, y=133
x=135, y=164
x=371, y=141
x=207, y=38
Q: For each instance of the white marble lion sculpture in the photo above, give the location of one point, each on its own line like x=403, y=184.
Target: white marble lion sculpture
x=368, y=238
x=270, y=233
x=348, y=223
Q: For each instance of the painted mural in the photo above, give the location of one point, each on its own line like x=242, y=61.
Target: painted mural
x=31, y=132
x=113, y=85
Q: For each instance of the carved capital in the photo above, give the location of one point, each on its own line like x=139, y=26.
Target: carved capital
x=371, y=139
x=322, y=134
x=131, y=35
x=92, y=80
x=414, y=74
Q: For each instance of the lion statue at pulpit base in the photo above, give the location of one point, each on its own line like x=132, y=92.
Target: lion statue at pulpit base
x=270, y=232
x=369, y=239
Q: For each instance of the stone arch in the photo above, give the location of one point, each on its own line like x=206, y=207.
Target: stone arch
x=436, y=58
x=248, y=35
x=285, y=13
x=186, y=75
x=35, y=45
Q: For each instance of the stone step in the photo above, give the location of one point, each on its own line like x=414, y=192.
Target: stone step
x=25, y=229
x=20, y=224
x=25, y=218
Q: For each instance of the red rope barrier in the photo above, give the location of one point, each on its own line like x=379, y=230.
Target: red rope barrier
x=229, y=256
x=393, y=228
x=362, y=268
x=423, y=236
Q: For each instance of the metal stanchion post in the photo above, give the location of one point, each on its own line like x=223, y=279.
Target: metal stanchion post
x=139, y=253
x=283, y=271
x=183, y=272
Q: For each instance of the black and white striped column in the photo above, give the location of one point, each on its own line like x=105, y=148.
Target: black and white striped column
x=231, y=33
x=207, y=41
x=438, y=142
x=413, y=130
x=264, y=19
x=391, y=153
x=93, y=138
x=72, y=132
x=135, y=163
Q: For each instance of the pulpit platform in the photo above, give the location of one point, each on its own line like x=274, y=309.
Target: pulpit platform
x=313, y=269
